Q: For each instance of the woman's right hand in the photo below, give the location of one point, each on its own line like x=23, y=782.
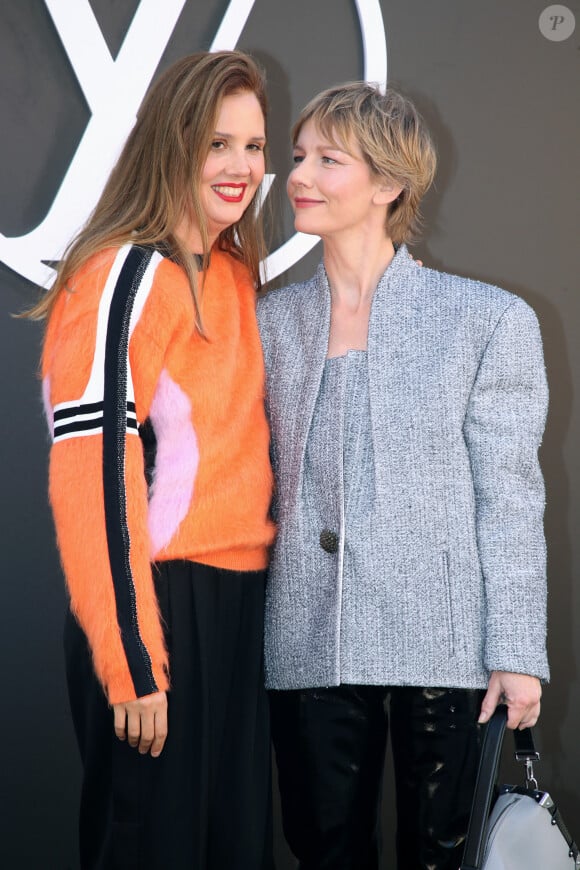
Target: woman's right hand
x=143, y=722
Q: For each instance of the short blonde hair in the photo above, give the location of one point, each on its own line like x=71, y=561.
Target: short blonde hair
x=392, y=137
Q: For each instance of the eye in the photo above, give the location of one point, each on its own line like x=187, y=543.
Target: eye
x=255, y=146
x=297, y=158
x=328, y=160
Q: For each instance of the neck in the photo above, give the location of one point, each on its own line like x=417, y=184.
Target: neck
x=189, y=235
x=354, y=269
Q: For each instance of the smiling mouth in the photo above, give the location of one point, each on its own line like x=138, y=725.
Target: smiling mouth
x=230, y=192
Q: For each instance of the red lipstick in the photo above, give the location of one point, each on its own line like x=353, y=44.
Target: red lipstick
x=230, y=192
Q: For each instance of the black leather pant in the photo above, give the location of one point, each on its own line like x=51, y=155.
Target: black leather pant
x=330, y=748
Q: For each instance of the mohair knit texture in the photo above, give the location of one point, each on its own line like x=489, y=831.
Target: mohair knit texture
x=455, y=579
x=211, y=481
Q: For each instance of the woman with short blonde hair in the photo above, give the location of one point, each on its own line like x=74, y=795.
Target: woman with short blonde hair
x=409, y=564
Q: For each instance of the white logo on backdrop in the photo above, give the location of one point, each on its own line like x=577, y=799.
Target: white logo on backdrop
x=114, y=89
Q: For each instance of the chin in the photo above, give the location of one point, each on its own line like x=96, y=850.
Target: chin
x=308, y=227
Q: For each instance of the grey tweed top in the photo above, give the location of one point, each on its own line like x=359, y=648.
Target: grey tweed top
x=457, y=399
x=339, y=456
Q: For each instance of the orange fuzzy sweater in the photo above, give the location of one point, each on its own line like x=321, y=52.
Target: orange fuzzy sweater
x=121, y=359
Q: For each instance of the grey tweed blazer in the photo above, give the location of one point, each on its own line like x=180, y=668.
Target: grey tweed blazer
x=458, y=404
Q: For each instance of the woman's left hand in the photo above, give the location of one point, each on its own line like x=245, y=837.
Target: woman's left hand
x=520, y=692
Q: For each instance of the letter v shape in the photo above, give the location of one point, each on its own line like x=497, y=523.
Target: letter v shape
x=114, y=90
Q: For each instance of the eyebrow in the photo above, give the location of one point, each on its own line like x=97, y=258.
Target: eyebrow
x=229, y=136
x=326, y=147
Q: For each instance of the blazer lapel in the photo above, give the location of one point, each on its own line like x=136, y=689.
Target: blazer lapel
x=303, y=372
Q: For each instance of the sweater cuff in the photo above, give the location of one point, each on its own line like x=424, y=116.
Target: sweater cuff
x=120, y=688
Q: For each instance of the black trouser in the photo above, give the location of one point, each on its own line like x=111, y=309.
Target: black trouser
x=330, y=748
x=205, y=803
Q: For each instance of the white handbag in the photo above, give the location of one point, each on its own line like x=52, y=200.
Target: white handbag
x=524, y=830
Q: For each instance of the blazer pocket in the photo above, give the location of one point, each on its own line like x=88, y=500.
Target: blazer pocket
x=445, y=573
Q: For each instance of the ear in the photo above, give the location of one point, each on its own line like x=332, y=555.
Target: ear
x=386, y=193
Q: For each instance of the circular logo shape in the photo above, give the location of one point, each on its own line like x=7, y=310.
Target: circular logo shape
x=557, y=23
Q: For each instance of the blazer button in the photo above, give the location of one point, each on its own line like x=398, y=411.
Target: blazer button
x=329, y=541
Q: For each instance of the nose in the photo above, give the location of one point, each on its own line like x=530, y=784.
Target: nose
x=299, y=176
x=239, y=164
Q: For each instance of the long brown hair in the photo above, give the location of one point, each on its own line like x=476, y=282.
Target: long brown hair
x=156, y=178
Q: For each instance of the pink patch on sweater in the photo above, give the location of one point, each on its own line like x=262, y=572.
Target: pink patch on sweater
x=176, y=462
x=48, y=410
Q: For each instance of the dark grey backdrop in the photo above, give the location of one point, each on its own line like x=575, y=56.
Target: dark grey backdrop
x=502, y=101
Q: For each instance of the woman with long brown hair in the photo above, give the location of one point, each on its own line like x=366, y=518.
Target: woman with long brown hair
x=160, y=481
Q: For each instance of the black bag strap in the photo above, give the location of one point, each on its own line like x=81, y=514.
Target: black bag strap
x=486, y=780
